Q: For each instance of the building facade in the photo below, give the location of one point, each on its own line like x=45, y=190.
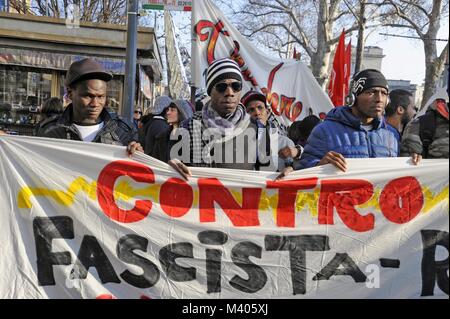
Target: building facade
x=415, y=90
x=35, y=53
x=372, y=58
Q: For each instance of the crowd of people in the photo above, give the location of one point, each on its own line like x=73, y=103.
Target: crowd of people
x=239, y=131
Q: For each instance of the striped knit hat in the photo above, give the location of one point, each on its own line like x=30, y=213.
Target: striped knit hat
x=220, y=70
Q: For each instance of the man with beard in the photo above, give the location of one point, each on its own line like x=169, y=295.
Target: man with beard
x=399, y=112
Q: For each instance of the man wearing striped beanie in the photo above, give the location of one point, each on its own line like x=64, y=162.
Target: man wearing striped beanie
x=224, y=86
x=223, y=120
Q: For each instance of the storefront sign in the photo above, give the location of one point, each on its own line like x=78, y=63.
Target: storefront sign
x=56, y=61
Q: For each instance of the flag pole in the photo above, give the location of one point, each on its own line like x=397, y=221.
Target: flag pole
x=193, y=40
x=130, y=62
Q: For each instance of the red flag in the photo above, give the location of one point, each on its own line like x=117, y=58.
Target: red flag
x=336, y=87
x=348, y=68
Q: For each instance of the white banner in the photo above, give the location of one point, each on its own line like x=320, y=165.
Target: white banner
x=176, y=75
x=289, y=85
x=82, y=220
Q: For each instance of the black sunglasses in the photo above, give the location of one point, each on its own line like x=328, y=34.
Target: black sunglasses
x=222, y=87
x=138, y=112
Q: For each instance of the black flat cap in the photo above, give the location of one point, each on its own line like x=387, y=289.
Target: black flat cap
x=86, y=69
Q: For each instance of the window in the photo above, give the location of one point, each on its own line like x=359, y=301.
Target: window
x=22, y=87
x=22, y=91
x=114, y=94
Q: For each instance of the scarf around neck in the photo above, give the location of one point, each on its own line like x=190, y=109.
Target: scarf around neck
x=233, y=125
x=223, y=130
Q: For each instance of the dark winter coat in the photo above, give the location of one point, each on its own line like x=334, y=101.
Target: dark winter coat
x=115, y=130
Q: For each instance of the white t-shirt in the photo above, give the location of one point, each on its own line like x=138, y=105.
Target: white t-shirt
x=89, y=132
x=367, y=128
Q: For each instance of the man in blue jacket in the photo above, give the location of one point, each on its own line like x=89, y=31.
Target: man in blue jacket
x=359, y=131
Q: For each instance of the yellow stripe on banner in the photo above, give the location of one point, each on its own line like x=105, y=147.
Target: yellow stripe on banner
x=268, y=202
x=431, y=200
x=125, y=191
x=308, y=199
x=61, y=197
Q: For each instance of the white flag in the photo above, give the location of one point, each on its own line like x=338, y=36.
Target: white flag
x=289, y=85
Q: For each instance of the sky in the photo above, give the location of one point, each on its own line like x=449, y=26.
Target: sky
x=404, y=58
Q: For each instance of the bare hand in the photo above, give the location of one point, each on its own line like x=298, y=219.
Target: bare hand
x=2, y=133
x=288, y=152
x=335, y=159
x=285, y=172
x=416, y=158
x=134, y=147
x=182, y=169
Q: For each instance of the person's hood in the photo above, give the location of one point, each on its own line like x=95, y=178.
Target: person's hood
x=441, y=107
x=185, y=109
x=344, y=115
x=440, y=94
x=161, y=103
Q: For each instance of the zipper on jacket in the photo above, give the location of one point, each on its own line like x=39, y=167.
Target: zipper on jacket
x=369, y=146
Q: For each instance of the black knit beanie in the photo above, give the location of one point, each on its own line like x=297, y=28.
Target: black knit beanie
x=367, y=79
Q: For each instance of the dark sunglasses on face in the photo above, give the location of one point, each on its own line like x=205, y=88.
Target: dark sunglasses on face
x=138, y=112
x=222, y=87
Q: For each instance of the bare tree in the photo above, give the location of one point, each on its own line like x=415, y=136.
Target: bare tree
x=106, y=11
x=423, y=18
x=314, y=26
x=19, y=5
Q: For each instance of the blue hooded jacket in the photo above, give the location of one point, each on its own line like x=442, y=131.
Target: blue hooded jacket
x=341, y=132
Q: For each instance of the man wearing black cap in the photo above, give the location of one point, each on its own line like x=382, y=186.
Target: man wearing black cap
x=359, y=131
x=86, y=118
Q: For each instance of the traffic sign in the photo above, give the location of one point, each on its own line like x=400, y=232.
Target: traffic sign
x=171, y=5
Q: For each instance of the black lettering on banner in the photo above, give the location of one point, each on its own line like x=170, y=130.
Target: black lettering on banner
x=212, y=237
x=213, y=259
x=90, y=255
x=389, y=263
x=350, y=269
x=433, y=270
x=297, y=247
x=125, y=247
x=45, y=230
x=257, y=277
x=168, y=256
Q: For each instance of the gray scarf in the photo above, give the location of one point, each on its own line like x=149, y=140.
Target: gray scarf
x=216, y=125
x=234, y=124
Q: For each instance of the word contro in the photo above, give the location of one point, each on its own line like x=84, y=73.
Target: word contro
x=401, y=200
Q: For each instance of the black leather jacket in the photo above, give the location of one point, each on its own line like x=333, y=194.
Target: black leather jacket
x=115, y=131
